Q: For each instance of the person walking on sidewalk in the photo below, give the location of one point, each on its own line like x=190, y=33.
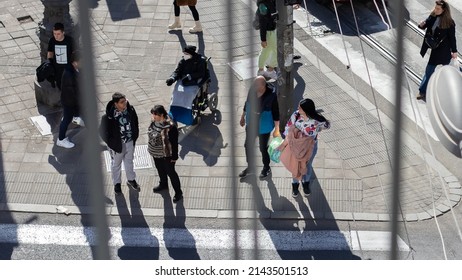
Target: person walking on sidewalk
x=192, y=6
x=163, y=147
x=119, y=130
x=70, y=97
x=60, y=49
x=267, y=16
x=306, y=122
x=440, y=36
x=260, y=116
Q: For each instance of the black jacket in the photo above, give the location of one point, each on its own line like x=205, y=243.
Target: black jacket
x=70, y=87
x=268, y=21
x=46, y=71
x=196, y=67
x=442, y=54
x=110, y=130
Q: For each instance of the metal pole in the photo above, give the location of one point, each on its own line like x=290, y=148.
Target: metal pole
x=92, y=147
x=285, y=38
x=398, y=7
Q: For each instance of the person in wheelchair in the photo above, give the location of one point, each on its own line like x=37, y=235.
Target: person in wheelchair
x=190, y=92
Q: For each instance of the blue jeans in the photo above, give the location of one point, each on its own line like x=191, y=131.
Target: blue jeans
x=428, y=73
x=309, y=166
x=68, y=114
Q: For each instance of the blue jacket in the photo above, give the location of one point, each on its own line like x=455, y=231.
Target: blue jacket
x=267, y=110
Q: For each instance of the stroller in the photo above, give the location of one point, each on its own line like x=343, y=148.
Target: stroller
x=188, y=102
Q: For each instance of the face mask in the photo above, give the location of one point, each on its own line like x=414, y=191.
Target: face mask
x=187, y=56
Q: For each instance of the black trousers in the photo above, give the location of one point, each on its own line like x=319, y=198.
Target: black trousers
x=249, y=145
x=166, y=168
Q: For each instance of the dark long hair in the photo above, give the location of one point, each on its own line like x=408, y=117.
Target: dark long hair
x=446, y=18
x=309, y=108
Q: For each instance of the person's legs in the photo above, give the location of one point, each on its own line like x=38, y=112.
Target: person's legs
x=309, y=165
x=68, y=114
x=197, y=24
x=194, y=13
x=116, y=165
x=162, y=172
x=128, y=161
x=272, y=46
x=428, y=73
x=176, y=23
x=173, y=175
x=176, y=9
x=263, y=140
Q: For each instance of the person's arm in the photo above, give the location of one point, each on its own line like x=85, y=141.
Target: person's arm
x=275, y=114
x=200, y=70
x=263, y=24
x=242, y=121
x=173, y=138
x=452, y=41
x=50, y=51
x=179, y=70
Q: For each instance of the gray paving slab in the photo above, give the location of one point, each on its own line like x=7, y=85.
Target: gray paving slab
x=135, y=56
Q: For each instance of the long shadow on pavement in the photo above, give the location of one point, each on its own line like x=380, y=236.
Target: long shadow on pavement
x=70, y=162
x=175, y=232
x=142, y=232
x=297, y=233
x=205, y=140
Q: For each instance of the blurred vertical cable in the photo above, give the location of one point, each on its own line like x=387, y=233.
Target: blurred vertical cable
x=398, y=8
x=92, y=147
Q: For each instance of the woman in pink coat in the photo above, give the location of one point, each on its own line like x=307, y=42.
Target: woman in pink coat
x=302, y=129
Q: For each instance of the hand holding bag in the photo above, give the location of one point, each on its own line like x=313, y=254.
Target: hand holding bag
x=455, y=63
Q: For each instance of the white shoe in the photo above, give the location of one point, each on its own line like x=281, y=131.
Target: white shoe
x=78, y=121
x=196, y=28
x=65, y=143
x=271, y=75
x=176, y=24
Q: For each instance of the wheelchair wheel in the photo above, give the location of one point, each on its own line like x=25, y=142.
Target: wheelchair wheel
x=213, y=101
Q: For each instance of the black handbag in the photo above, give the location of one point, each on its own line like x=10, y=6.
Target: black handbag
x=433, y=42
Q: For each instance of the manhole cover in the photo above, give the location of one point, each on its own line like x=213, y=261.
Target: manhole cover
x=245, y=68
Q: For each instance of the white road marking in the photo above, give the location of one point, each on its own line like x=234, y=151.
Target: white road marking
x=202, y=238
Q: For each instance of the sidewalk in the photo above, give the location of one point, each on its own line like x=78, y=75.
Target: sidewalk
x=135, y=56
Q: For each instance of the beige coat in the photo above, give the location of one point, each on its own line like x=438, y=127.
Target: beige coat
x=296, y=151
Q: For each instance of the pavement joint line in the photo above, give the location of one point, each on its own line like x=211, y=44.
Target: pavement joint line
x=223, y=214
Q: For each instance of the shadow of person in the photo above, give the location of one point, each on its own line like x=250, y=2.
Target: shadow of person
x=180, y=243
x=300, y=85
x=6, y=249
x=139, y=242
x=179, y=34
x=70, y=162
x=296, y=232
x=205, y=140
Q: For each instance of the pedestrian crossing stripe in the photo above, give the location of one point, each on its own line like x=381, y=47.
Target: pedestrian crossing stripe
x=294, y=240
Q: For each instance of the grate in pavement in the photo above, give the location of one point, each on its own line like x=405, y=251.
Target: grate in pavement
x=142, y=159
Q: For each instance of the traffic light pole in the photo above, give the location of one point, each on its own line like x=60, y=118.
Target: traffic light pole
x=285, y=46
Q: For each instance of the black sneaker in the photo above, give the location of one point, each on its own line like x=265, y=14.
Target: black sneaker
x=134, y=185
x=177, y=198
x=295, y=189
x=117, y=189
x=306, y=188
x=264, y=173
x=159, y=188
x=246, y=172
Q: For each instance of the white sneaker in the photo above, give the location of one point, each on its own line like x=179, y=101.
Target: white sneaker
x=78, y=121
x=271, y=75
x=65, y=143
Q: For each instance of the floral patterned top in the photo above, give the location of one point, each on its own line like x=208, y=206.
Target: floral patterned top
x=309, y=127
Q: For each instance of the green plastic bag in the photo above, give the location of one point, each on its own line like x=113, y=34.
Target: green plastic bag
x=273, y=153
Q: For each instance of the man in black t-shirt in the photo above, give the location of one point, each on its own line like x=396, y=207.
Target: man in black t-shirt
x=60, y=49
